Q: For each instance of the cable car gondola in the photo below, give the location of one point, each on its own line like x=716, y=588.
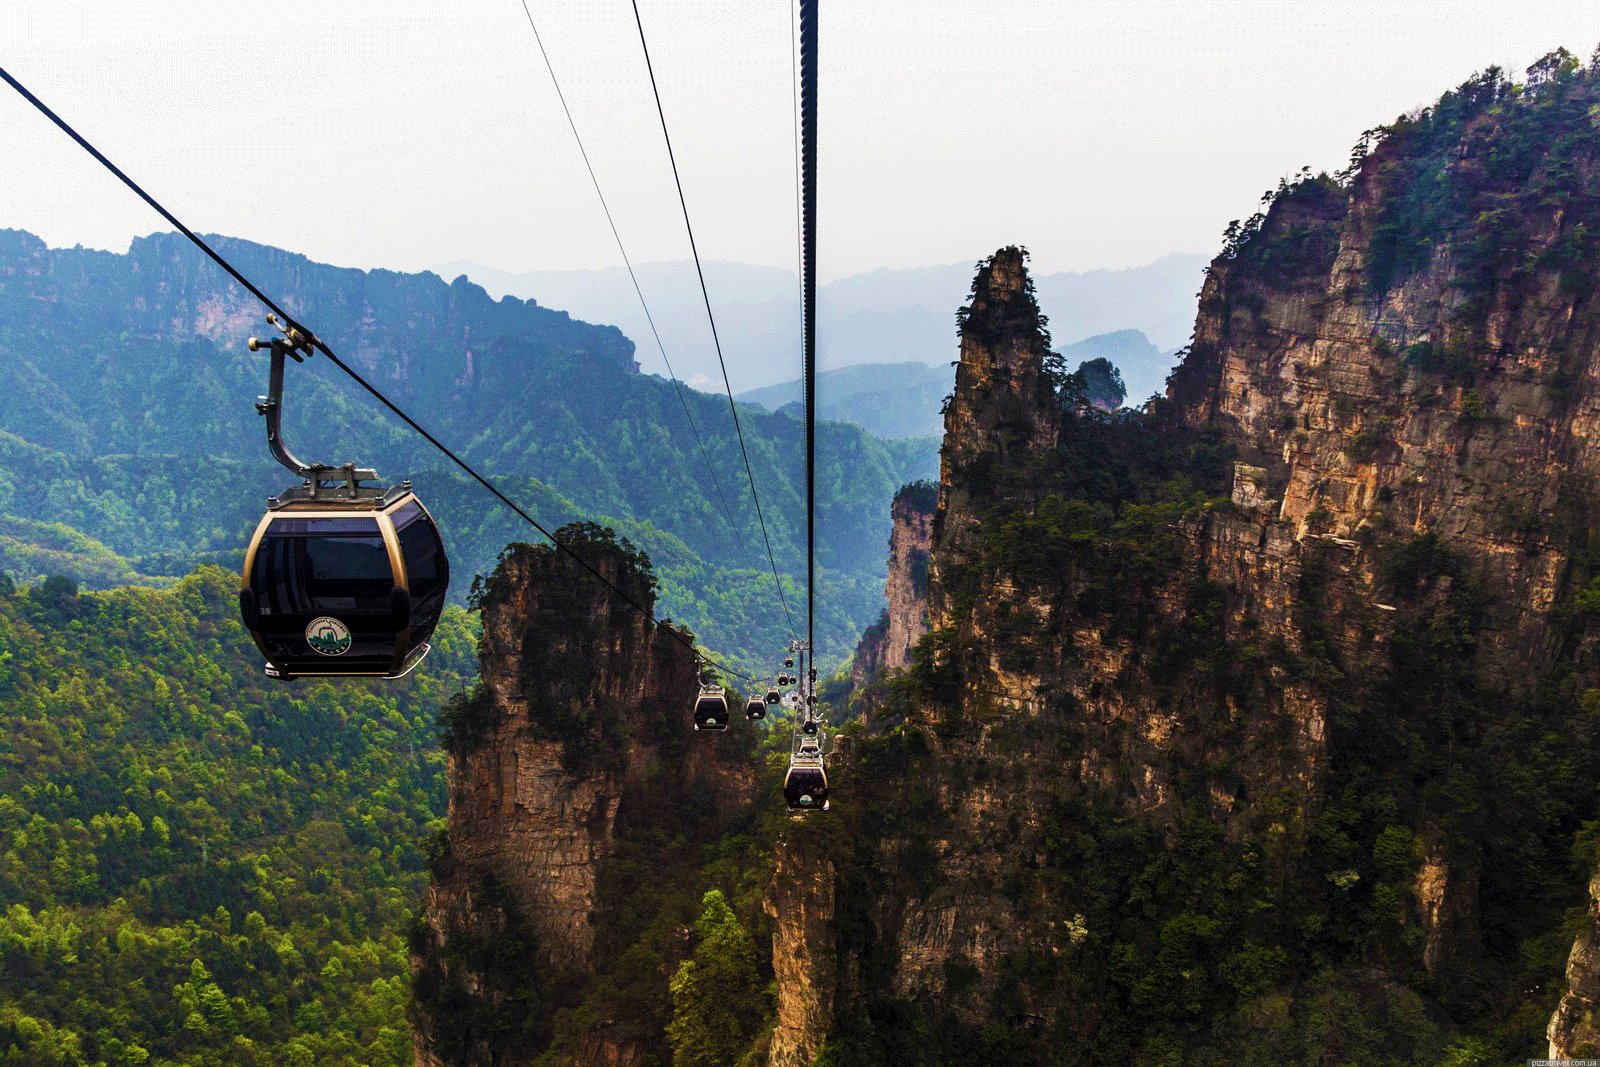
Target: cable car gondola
x=805, y=787
x=756, y=708
x=711, y=708
x=773, y=697
x=341, y=578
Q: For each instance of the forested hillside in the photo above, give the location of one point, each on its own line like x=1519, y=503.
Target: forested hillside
x=199, y=865
x=129, y=446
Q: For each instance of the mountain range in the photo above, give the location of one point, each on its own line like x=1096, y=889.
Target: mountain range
x=881, y=316
x=897, y=400
x=129, y=448
x=1257, y=725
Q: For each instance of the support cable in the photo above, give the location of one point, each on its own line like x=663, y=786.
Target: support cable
x=706, y=296
x=677, y=386
x=794, y=92
x=808, y=281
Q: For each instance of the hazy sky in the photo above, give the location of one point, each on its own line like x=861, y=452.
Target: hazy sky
x=406, y=134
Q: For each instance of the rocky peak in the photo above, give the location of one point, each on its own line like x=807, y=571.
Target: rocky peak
x=580, y=720
x=1003, y=417
x=1003, y=402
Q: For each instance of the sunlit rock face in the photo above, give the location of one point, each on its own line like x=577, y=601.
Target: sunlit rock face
x=1267, y=713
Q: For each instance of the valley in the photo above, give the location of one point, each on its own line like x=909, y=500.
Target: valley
x=1255, y=723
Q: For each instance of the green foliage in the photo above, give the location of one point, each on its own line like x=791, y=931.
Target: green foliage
x=1100, y=383
x=1587, y=601
x=1426, y=749
x=1478, y=175
x=1448, y=362
x=463, y=1018
x=1105, y=516
x=199, y=865
x=1474, y=406
x=1290, y=236
x=717, y=1006
x=557, y=676
x=921, y=495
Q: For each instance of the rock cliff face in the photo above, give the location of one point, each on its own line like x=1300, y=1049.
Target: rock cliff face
x=577, y=731
x=886, y=647
x=1314, y=635
x=1039, y=641
x=800, y=901
x=1574, y=1030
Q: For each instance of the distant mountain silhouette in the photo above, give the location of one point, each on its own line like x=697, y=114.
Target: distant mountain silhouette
x=1144, y=367
x=882, y=316
x=899, y=400
x=129, y=447
x=887, y=399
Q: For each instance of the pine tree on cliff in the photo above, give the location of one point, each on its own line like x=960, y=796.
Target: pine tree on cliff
x=716, y=1009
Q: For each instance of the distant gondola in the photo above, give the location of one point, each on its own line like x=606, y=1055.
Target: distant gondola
x=773, y=697
x=756, y=708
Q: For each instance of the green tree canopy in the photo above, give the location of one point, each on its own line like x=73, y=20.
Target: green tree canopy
x=717, y=1000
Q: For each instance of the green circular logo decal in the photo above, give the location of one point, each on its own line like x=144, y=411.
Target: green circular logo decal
x=328, y=635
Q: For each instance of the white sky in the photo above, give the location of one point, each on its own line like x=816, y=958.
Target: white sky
x=406, y=134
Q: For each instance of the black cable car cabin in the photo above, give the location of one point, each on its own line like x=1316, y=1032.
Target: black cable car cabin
x=341, y=578
x=711, y=709
x=345, y=587
x=805, y=787
x=756, y=708
x=773, y=697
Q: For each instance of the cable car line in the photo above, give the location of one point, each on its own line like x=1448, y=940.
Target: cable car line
x=808, y=146
x=805, y=784
x=706, y=296
x=677, y=386
x=794, y=91
x=310, y=340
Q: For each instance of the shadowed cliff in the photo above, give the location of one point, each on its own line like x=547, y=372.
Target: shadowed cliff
x=580, y=802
